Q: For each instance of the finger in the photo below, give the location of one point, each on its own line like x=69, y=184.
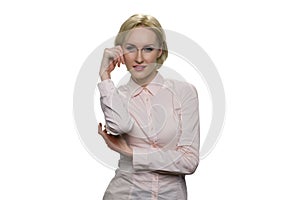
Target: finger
x=117, y=58
x=117, y=51
x=99, y=127
x=104, y=136
x=100, y=131
x=122, y=56
x=119, y=62
x=123, y=59
x=111, y=54
x=120, y=51
x=109, y=140
x=111, y=66
x=114, y=65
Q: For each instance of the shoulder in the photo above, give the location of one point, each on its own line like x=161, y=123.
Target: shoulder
x=123, y=91
x=123, y=88
x=181, y=88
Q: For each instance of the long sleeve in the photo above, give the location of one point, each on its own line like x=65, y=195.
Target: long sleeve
x=185, y=158
x=117, y=117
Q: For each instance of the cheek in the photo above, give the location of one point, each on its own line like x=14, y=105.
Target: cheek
x=128, y=58
x=151, y=58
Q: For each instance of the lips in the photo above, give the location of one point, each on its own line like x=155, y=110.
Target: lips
x=139, y=67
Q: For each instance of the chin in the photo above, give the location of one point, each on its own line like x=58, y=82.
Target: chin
x=138, y=76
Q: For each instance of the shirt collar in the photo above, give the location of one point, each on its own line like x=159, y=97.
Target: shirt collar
x=153, y=87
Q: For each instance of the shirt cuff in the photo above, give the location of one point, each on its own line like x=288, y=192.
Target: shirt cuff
x=106, y=87
x=110, y=132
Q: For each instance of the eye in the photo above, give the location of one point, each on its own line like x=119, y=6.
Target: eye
x=148, y=49
x=130, y=48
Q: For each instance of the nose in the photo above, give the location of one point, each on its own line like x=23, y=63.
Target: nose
x=139, y=57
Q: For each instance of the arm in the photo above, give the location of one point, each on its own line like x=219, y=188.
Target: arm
x=117, y=117
x=185, y=158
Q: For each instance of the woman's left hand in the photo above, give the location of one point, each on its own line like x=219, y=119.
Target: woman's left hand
x=116, y=143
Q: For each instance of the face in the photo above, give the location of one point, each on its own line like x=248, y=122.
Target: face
x=141, y=50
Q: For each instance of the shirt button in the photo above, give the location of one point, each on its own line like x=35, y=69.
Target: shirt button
x=153, y=145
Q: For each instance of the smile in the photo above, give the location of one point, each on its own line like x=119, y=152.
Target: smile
x=139, y=67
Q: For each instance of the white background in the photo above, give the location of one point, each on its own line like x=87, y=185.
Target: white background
x=254, y=45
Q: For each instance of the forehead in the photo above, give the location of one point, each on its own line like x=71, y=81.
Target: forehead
x=141, y=36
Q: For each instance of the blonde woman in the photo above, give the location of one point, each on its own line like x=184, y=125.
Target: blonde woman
x=151, y=121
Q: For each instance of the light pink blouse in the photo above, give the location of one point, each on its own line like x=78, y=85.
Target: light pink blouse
x=161, y=124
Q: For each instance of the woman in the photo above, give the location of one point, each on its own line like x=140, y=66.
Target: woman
x=151, y=121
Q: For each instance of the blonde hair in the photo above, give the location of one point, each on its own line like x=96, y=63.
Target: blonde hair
x=140, y=20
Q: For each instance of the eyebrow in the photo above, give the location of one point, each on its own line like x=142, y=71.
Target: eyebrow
x=144, y=45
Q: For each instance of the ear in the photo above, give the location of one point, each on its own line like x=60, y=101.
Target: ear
x=160, y=51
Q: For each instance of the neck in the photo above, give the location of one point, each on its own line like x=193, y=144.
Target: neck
x=144, y=82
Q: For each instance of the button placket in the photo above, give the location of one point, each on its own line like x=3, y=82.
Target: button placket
x=147, y=100
x=148, y=108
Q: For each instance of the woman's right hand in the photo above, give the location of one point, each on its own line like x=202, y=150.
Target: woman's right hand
x=115, y=143
x=112, y=57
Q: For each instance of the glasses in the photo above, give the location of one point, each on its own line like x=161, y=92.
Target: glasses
x=133, y=49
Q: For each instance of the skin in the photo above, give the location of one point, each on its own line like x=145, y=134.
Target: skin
x=141, y=49
x=139, y=53
x=115, y=143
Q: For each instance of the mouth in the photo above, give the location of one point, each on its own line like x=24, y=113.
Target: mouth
x=139, y=67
